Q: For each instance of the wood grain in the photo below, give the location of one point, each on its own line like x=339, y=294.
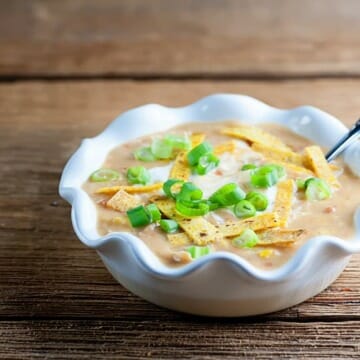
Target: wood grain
x=44, y=270
x=156, y=339
x=219, y=38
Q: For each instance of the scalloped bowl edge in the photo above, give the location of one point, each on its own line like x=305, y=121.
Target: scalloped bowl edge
x=120, y=249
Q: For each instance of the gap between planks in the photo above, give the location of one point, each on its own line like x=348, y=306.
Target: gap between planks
x=228, y=77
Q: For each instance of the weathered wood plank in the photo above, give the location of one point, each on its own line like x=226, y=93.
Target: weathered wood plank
x=44, y=269
x=192, y=338
x=212, y=37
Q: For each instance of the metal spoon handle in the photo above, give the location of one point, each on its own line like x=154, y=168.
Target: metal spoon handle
x=344, y=142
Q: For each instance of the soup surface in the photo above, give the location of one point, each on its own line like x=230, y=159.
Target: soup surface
x=293, y=193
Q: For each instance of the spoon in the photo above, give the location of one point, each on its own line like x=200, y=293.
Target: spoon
x=344, y=142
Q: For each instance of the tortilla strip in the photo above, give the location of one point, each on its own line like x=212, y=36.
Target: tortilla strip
x=259, y=222
x=279, y=237
x=197, y=139
x=129, y=189
x=315, y=160
x=254, y=134
x=179, y=239
x=181, y=170
x=286, y=156
x=283, y=201
x=122, y=201
x=200, y=231
x=228, y=146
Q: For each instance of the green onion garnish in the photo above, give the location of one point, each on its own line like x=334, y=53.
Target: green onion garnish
x=317, y=189
x=206, y=163
x=192, y=208
x=169, y=226
x=300, y=183
x=227, y=195
x=248, y=167
x=168, y=186
x=144, y=154
x=197, y=152
x=198, y=251
x=102, y=175
x=259, y=200
x=189, y=192
x=153, y=212
x=244, y=209
x=138, y=175
x=162, y=149
x=143, y=215
x=178, y=142
x=247, y=238
x=138, y=216
x=267, y=175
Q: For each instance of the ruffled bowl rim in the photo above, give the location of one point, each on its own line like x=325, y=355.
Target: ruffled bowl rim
x=310, y=251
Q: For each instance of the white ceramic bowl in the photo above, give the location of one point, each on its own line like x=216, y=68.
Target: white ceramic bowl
x=220, y=284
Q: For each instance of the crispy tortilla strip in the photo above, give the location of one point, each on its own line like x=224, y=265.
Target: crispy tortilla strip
x=179, y=239
x=130, y=189
x=283, y=201
x=286, y=156
x=298, y=171
x=122, y=201
x=181, y=169
x=279, y=237
x=315, y=160
x=199, y=230
x=254, y=134
x=228, y=146
x=197, y=139
x=259, y=222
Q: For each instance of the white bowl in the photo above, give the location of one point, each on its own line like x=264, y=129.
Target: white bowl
x=220, y=284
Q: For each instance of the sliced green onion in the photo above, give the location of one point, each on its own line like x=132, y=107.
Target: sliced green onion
x=143, y=215
x=248, y=167
x=197, y=152
x=247, y=238
x=317, y=189
x=102, y=175
x=244, y=209
x=144, y=154
x=259, y=200
x=189, y=192
x=138, y=175
x=198, y=251
x=169, y=226
x=138, y=216
x=168, y=186
x=300, y=183
x=154, y=212
x=189, y=209
x=206, y=163
x=178, y=142
x=227, y=195
x=162, y=149
x=267, y=175
x=213, y=205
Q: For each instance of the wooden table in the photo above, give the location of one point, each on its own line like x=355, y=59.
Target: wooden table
x=66, y=70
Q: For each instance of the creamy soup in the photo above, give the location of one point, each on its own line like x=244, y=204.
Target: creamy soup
x=301, y=196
